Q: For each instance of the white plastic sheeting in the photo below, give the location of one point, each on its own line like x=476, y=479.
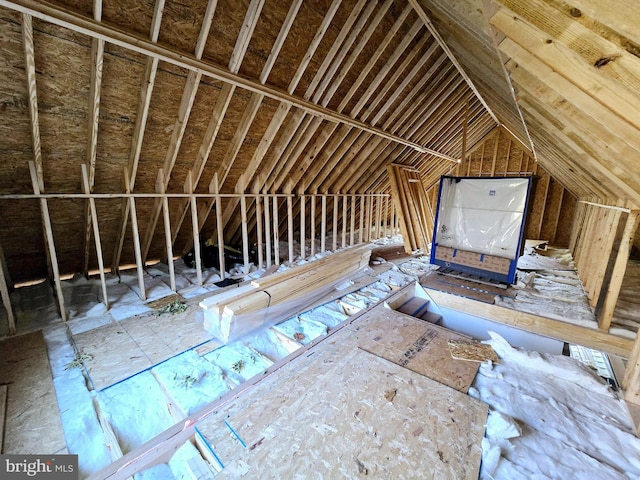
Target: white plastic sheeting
x=482, y=215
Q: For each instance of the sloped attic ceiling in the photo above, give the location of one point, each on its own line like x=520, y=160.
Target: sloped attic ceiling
x=575, y=68
x=257, y=95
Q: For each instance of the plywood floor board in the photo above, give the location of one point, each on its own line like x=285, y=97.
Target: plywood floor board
x=417, y=345
x=32, y=423
x=346, y=426
x=343, y=412
x=443, y=284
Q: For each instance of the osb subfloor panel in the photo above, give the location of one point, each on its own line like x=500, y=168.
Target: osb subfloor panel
x=32, y=423
x=339, y=411
x=416, y=345
x=122, y=349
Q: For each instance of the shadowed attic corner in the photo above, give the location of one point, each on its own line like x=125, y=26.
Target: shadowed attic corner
x=262, y=137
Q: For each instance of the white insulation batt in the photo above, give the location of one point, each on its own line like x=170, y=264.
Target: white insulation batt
x=552, y=417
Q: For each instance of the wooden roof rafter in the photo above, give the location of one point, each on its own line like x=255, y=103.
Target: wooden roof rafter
x=148, y=82
x=180, y=126
x=423, y=15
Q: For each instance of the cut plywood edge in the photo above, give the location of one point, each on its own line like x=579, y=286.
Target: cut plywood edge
x=472, y=351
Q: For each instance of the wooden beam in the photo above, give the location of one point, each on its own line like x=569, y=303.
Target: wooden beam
x=195, y=225
x=623, y=19
x=136, y=238
x=303, y=233
x=276, y=232
x=424, y=17
x=79, y=23
x=267, y=228
x=97, y=57
x=148, y=82
x=6, y=301
x=180, y=126
x=615, y=281
x=560, y=330
x=160, y=188
x=96, y=232
x=48, y=233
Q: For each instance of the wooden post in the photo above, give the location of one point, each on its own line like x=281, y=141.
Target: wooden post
x=303, y=233
x=188, y=188
x=362, y=206
x=245, y=234
x=136, y=237
x=290, y=225
x=336, y=199
x=323, y=225
x=378, y=216
x=620, y=266
x=219, y=227
x=345, y=199
x=276, y=231
x=96, y=233
x=48, y=231
x=259, y=241
x=6, y=299
x=160, y=188
x=312, y=221
x=352, y=217
x=631, y=380
x=267, y=228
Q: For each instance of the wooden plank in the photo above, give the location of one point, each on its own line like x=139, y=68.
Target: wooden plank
x=267, y=228
x=6, y=301
x=312, y=221
x=620, y=265
x=323, y=224
x=131, y=41
x=48, y=233
x=160, y=188
x=136, y=241
x=148, y=83
x=96, y=234
x=290, y=226
x=631, y=380
x=419, y=346
x=568, y=64
x=303, y=233
x=623, y=19
x=245, y=234
x=568, y=332
x=219, y=226
x=425, y=18
x=448, y=285
x=260, y=242
x=32, y=422
x=383, y=386
x=188, y=188
x=276, y=232
x=334, y=228
x=97, y=57
x=352, y=229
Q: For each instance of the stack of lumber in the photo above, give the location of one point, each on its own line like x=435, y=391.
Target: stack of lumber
x=268, y=300
x=412, y=204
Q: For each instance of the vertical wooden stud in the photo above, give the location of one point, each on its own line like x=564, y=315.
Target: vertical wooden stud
x=312, y=222
x=96, y=233
x=362, y=207
x=219, y=227
x=160, y=188
x=345, y=199
x=323, y=225
x=352, y=218
x=303, y=233
x=336, y=202
x=53, y=257
x=267, y=228
x=276, y=231
x=188, y=188
x=6, y=299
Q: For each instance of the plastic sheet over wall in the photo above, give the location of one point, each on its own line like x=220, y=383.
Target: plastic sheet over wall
x=481, y=216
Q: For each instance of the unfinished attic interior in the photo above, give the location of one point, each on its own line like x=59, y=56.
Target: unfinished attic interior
x=222, y=238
